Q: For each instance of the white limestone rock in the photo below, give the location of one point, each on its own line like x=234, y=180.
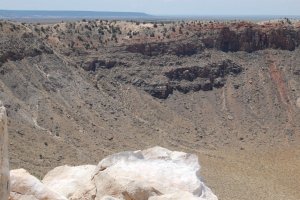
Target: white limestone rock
x=4, y=164
x=142, y=175
x=65, y=180
x=152, y=174
x=26, y=187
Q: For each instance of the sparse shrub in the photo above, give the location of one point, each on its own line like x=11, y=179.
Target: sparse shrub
x=113, y=36
x=288, y=20
x=37, y=30
x=88, y=27
x=129, y=33
x=80, y=38
x=87, y=46
x=100, y=31
x=180, y=31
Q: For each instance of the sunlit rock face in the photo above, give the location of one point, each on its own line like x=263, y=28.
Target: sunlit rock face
x=154, y=174
x=26, y=187
x=4, y=165
x=65, y=180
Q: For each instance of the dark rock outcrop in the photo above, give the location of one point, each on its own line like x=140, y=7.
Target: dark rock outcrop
x=196, y=78
x=251, y=39
x=240, y=36
x=96, y=64
x=159, y=90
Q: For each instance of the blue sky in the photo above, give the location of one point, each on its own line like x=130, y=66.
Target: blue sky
x=164, y=7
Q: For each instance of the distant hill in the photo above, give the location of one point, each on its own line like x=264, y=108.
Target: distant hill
x=57, y=16
x=29, y=14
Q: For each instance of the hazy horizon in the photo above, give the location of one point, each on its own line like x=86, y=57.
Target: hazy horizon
x=58, y=15
x=150, y=14
x=165, y=7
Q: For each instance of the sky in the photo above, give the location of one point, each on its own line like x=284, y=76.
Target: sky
x=164, y=7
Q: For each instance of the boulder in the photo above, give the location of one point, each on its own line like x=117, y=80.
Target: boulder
x=142, y=175
x=65, y=180
x=152, y=174
x=26, y=187
x=4, y=164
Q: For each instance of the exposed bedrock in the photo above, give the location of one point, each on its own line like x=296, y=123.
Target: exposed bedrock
x=196, y=78
x=245, y=37
x=95, y=63
x=4, y=164
x=251, y=39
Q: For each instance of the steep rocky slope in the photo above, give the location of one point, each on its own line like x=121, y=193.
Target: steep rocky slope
x=78, y=91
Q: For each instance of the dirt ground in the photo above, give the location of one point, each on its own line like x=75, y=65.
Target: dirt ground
x=271, y=174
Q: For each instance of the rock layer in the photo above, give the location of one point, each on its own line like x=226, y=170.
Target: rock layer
x=241, y=36
x=4, y=164
x=195, y=78
x=248, y=38
x=153, y=49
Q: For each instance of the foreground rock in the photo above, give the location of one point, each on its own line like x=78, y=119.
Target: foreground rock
x=26, y=187
x=154, y=174
x=65, y=179
x=4, y=165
